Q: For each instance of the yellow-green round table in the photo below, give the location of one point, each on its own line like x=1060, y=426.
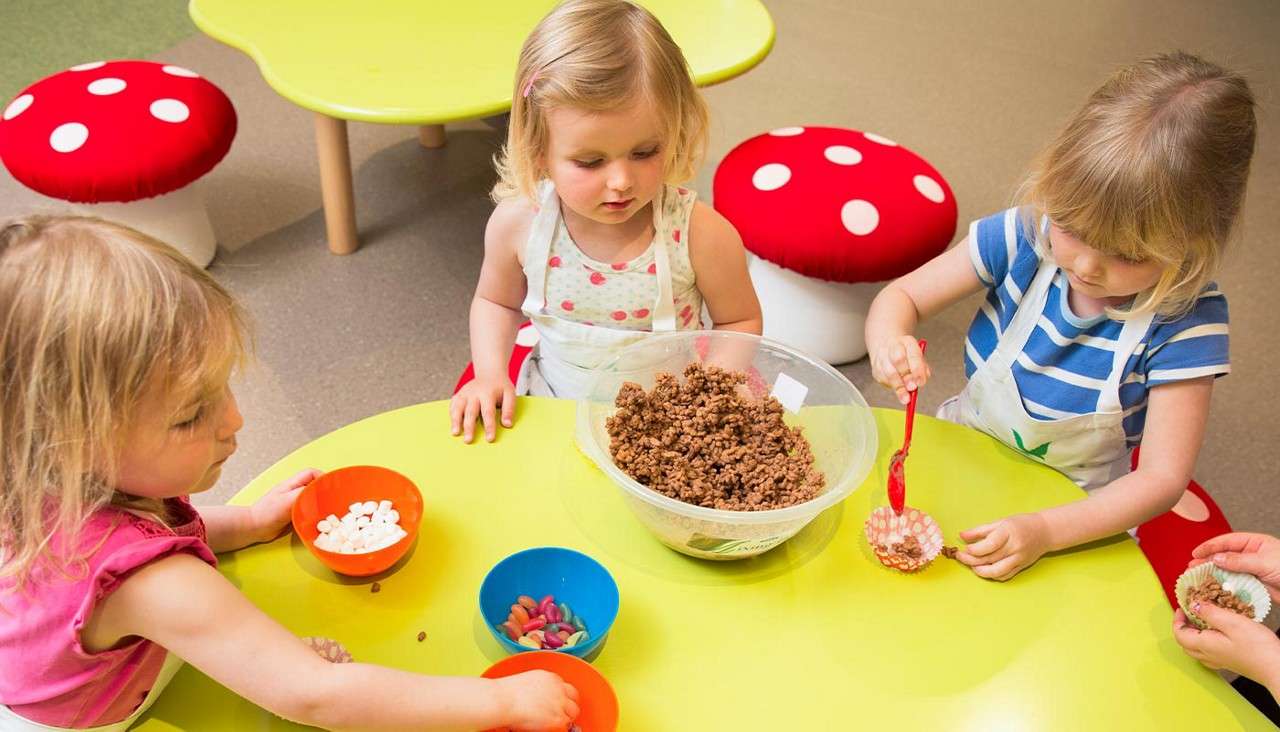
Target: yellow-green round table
x=428, y=62
x=813, y=635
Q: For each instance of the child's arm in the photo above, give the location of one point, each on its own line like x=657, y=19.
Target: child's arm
x=190, y=609
x=720, y=270
x=495, y=317
x=896, y=360
x=1176, y=416
x=235, y=527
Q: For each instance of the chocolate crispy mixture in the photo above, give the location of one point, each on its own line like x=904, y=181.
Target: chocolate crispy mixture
x=1209, y=590
x=704, y=443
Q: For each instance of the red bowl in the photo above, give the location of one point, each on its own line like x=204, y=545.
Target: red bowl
x=597, y=704
x=335, y=491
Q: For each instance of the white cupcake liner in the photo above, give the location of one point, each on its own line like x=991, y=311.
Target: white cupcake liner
x=1245, y=586
x=885, y=528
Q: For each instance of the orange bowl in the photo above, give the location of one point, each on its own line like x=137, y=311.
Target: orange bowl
x=597, y=704
x=335, y=491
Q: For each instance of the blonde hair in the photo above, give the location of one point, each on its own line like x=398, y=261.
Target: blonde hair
x=93, y=317
x=1152, y=168
x=599, y=55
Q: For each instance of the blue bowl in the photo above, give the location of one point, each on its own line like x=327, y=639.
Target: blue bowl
x=572, y=577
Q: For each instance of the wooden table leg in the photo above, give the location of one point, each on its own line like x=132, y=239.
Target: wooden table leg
x=335, y=184
x=431, y=136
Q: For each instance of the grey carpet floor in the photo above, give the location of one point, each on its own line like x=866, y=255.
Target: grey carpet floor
x=975, y=87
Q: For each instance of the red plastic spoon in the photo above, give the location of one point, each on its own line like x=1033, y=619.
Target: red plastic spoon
x=897, y=480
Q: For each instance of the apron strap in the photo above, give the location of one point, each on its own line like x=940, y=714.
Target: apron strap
x=664, y=307
x=1014, y=339
x=1131, y=334
x=537, y=248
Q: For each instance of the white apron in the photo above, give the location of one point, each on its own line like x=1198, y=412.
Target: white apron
x=568, y=351
x=11, y=722
x=1089, y=448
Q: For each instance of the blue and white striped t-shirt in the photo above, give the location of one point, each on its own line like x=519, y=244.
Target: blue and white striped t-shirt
x=1067, y=359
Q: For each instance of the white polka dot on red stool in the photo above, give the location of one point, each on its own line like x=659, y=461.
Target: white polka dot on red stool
x=18, y=106
x=106, y=87
x=771, y=176
x=68, y=137
x=859, y=217
x=879, y=138
x=89, y=66
x=842, y=155
x=786, y=131
x=179, y=71
x=929, y=188
x=170, y=110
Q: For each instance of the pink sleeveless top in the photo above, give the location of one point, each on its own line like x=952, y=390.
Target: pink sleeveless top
x=45, y=674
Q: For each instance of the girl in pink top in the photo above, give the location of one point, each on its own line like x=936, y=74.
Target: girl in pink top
x=115, y=354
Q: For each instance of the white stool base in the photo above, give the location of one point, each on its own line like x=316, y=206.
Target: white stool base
x=821, y=318
x=178, y=219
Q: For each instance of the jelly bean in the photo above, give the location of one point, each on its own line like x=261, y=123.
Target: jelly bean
x=565, y=613
x=538, y=635
x=564, y=635
x=533, y=624
x=527, y=602
x=552, y=627
x=512, y=630
x=520, y=614
x=544, y=602
x=553, y=613
x=576, y=638
x=553, y=641
x=578, y=623
x=528, y=642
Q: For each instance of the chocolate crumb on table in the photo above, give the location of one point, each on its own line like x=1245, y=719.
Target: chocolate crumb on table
x=1210, y=590
x=704, y=443
x=376, y=587
x=422, y=635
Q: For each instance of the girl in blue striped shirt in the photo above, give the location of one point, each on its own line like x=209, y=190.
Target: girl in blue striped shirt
x=1101, y=327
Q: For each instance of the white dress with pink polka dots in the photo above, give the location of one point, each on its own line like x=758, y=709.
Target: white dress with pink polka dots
x=585, y=310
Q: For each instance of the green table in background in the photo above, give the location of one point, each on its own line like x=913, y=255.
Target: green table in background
x=813, y=635
x=428, y=62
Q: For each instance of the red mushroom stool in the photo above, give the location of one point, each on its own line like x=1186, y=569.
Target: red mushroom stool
x=125, y=139
x=517, y=371
x=1168, y=539
x=828, y=213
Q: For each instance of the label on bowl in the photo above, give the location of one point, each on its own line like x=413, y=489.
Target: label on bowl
x=729, y=547
x=789, y=392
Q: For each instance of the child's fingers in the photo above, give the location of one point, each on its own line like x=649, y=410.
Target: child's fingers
x=469, y=420
x=508, y=406
x=456, y=405
x=989, y=545
x=488, y=412
x=1224, y=621
x=571, y=709
x=1001, y=570
x=915, y=376
x=977, y=532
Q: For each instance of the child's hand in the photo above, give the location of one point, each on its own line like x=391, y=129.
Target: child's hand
x=1257, y=554
x=270, y=514
x=481, y=398
x=1004, y=548
x=538, y=700
x=1232, y=641
x=899, y=364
